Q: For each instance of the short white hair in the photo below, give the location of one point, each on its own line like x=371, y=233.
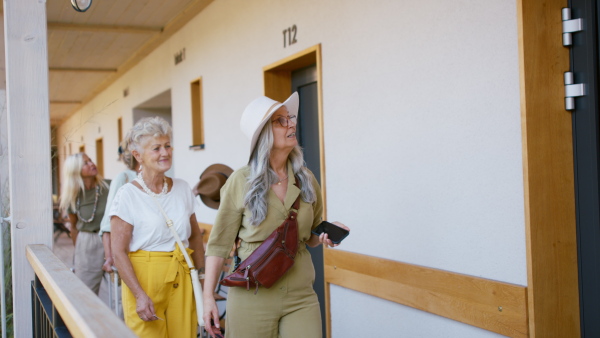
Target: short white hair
x=148, y=127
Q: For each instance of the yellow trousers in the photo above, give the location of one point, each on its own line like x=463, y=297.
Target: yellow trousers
x=165, y=277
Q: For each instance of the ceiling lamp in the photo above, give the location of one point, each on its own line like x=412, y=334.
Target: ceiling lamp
x=81, y=5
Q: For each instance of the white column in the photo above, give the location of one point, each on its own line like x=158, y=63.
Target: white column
x=28, y=144
x=4, y=200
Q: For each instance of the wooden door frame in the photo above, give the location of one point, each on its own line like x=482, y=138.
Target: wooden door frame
x=278, y=86
x=100, y=156
x=548, y=172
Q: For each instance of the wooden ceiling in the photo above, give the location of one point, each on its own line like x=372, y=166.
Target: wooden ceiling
x=88, y=51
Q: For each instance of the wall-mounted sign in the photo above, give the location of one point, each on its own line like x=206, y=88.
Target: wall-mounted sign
x=179, y=56
x=289, y=36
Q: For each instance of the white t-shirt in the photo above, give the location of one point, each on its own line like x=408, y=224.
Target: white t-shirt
x=150, y=231
x=121, y=179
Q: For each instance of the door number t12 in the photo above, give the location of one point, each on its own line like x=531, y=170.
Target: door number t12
x=289, y=36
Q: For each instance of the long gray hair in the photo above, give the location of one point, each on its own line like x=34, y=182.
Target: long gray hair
x=262, y=176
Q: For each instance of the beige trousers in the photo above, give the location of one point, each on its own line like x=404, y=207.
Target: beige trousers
x=89, y=258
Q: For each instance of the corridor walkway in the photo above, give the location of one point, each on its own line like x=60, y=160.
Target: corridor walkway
x=64, y=249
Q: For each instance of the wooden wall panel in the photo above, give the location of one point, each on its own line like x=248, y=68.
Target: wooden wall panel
x=491, y=305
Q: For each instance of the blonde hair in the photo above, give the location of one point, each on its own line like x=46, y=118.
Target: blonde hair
x=73, y=183
x=262, y=176
x=147, y=127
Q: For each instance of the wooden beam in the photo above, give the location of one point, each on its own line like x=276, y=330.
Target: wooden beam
x=103, y=28
x=82, y=70
x=490, y=305
x=83, y=312
x=28, y=145
x=64, y=102
x=553, y=290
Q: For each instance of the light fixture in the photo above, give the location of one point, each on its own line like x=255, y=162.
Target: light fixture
x=81, y=5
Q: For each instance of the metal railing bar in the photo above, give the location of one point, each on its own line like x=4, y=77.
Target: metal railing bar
x=47, y=322
x=45, y=301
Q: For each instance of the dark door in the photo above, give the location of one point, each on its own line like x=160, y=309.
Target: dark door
x=304, y=81
x=584, y=65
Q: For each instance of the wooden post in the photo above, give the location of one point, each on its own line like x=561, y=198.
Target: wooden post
x=28, y=144
x=550, y=219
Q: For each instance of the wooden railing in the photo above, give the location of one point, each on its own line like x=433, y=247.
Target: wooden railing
x=488, y=304
x=82, y=312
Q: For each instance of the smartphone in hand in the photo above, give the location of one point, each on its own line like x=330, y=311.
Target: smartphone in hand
x=334, y=232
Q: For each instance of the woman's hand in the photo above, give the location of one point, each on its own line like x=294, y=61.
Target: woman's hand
x=120, y=239
x=145, y=307
x=211, y=316
x=109, y=260
x=214, y=265
x=108, y=264
x=324, y=238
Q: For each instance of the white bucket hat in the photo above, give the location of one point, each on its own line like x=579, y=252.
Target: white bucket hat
x=259, y=111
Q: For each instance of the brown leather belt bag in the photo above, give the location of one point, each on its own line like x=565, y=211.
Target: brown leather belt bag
x=272, y=259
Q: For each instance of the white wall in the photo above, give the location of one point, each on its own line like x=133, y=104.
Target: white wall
x=139, y=113
x=421, y=118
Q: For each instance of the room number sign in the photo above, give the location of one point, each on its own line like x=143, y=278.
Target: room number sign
x=289, y=36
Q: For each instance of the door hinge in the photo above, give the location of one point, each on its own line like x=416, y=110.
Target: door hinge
x=572, y=90
x=570, y=26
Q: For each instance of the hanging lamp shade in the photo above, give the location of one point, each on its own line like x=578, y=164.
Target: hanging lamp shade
x=81, y=5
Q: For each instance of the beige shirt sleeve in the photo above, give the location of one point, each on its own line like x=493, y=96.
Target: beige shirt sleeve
x=229, y=216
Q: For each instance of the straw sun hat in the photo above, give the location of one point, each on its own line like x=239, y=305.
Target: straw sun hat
x=259, y=111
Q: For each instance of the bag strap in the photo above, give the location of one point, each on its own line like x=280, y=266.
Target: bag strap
x=175, y=234
x=194, y=275
x=236, y=258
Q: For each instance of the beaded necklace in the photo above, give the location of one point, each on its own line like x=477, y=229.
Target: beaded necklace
x=165, y=188
x=93, y=212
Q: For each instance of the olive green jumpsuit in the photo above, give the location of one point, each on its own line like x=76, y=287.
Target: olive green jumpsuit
x=289, y=308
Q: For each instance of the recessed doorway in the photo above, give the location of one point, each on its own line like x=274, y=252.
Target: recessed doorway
x=301, y=72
